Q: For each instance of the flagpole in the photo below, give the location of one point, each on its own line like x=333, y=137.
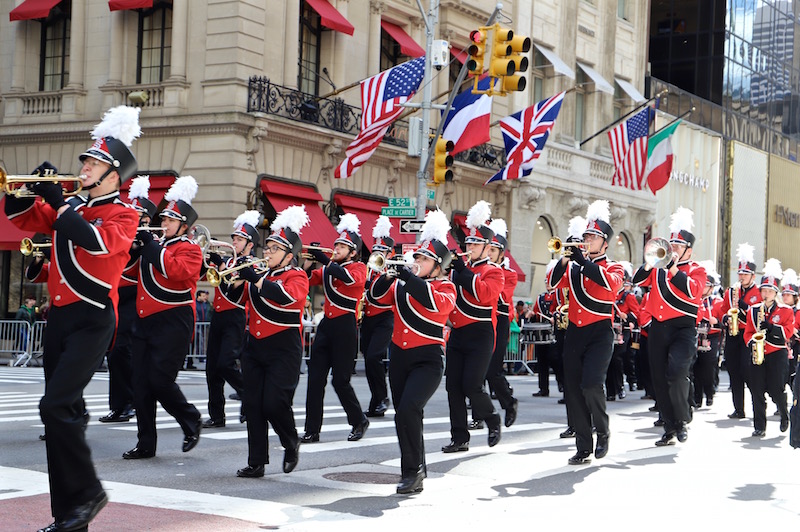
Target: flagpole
x=687, y=113
x=620, y=119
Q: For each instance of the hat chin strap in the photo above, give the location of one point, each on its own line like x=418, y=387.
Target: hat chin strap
x=97, y=183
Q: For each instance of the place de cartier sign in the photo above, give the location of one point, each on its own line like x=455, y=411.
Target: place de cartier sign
x=786, y=217
x=690, y=180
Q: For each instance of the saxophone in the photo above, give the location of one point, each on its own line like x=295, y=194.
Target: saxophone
x=563, y=311
x=758, y=339
x=733, y=312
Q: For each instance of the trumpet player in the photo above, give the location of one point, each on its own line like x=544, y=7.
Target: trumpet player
x=771, y=325
x=625, y=310
x=335, y=346
x=709, y=318
x=735, y=303
x=676, y=290
x=593, y=283
x=91, y=240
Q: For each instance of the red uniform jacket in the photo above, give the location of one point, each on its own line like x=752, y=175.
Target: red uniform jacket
x=782, y=319
x=418, y=323
x=226, y=298
x=373, y=307
x=91, y=245
x=591, y=299
x=278, y=306
x=341, y=297
x=711, y=307
x=626, y=302
x=510, y=279
x=477, y=291
x=751, y=296
x=644, y=315
x=544, y=306
x=674, y=297
x=130, y=274
x=168, y=274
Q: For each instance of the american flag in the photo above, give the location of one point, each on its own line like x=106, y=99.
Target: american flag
x=381, y=99
x=629, y=150
x=524, y=135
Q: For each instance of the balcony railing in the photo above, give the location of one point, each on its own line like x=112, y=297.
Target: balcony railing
x=333, y=113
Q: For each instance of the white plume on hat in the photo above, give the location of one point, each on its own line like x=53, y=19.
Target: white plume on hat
x=789, y=277
x=577, y=225
x=121, y=122
x=499, y=227
x=682, y=220
x=744, y=252
x=772, y=268
x=628, y=267
x=551, y=265
x=506, y=263
x=250, y=218
x=436, y=227
x=293, y=218
x=598, y=210
x=408, y=256
x=383, y=227
x=349, y=222
x=184, y=188
x=479, y=214
x=711, y=269
x=140, y=187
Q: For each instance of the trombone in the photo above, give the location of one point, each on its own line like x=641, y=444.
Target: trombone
x=216, y=277
x=8, y=182
x=556, y=245
x=28, y=247
x=309, y=256
x=202, y=237
x=378, y=263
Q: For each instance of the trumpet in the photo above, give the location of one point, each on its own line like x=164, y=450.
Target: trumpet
x=657, y=252
x=309, y=256
x=216, y=277
x=12, y=184
x=28, y=247
x=556, y=245
x=378, y=263
x=149, y=228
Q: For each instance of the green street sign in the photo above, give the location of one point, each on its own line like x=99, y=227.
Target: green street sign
x=399, y=212
x=431, y=194
x=402, y=202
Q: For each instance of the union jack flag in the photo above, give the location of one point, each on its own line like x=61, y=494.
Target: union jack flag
x=629, y=150
x=381, y=99
x=524, y=135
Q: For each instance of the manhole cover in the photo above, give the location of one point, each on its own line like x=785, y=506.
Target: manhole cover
x=364, y=478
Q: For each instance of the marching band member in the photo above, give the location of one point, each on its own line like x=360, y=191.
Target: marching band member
x=775, y=322
x=791, y=291
x=630, y=306
x=625, y=309
x=335, y=346
x=676, y=290
x=739, y=298
x=274, y=349
x=168, y=273
x=376, y=327
x=91, y=239
x=709, y=317
x=542, y=311
x=421, y=300
x=643, y=374
x=593, y=282
x=469, y=348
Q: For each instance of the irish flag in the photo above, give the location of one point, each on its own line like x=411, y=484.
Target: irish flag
x=659, y=158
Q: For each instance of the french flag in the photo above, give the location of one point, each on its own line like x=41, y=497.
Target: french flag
x=467, y=123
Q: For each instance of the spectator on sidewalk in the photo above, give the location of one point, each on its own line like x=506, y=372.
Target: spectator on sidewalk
x=26, y=313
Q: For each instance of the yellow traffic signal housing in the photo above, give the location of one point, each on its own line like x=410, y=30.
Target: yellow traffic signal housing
x=442, y=161
x=507, y=59
x=476, y=51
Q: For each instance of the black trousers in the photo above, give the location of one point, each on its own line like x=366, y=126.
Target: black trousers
x=615, y=376
x=76, y=340
x=469, y=351
x=271, y=370
x=334, y=350
x=737, y=362
x=673, y=347
x=587, y=353
x=160, y=344
x=643, y=366
x=376, y=334
x=496, y=374
x=629, y=361
x=225, y=338
x=769, y=378
x=414, y=376
x=704, y=370
x=120, y=369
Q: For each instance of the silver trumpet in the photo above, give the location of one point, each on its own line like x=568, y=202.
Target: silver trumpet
x=657, y=252
x=377, y=262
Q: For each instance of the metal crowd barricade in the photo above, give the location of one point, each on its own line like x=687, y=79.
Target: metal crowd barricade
x=309, y=331
x=199, y=343
x=15, y=339
x=518, y=353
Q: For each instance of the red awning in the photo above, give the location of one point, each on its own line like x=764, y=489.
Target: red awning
x=281, y=195
x=408, y=46
x=461, y=55
x=32, y=9
x=330, y=18
x=10, y=235
x=159, y=185
x=460, y=222
x=123, y=5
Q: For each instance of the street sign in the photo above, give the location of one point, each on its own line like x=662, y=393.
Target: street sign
x=402, y=202
x=431, y=194
x=399, y=212
x=411, y=226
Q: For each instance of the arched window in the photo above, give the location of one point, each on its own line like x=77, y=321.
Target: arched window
x=540, y=257
x=620, y=248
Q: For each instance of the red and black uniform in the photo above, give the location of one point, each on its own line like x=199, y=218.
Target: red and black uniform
x=120, y=359
x=376, y=334
x=588, y=344
x=165, y=309
x=420, y=308
x=794, y=348
x=737, y=354
x=496, y=372
x=226, y=334
x=707, y=350
x=673, y=304
x=271, y=358
x=621, y=362
x=336, y=342
x=770, y=377
x=548, y=355
x=91, y=242
x=470, y=345
x=643, y=375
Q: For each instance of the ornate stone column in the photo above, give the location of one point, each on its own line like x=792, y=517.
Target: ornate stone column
x=340, y=50
x=180, y=43
x=73, y=95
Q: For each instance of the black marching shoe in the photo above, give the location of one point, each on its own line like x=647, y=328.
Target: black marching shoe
x=682, y=434
x=601, y=449
x=290, y=458
x=784, y=424
x=562, y=401
x=476, y=425
x=117, y=416
x=190, y=442
x=569, y=433
x=358, y=430
x=541, y=393
x=213, y=423
x=581, y=457
x=737, y=414
x=709, y=401
x=668, y=438
x=379, y=410
x=511, y=413
x=251, y=471
x=52, y=527
x=454, y=447
x=611, y=397
x=411, y=484
x=658, y=423
x=494, y=436
x=310, y=437
x=622, y=394
x=137, y=454
x=759, y=433
x=80, y=516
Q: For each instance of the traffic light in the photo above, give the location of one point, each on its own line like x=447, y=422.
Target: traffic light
x=442, y=161
x=507, y=59
x=476, y=51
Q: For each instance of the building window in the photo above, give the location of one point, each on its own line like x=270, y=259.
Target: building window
x=622, y=9
x=537, y=73
x=54, y=61
x=155, y=43
x=619, y=248
x=580, y=104
x=390, y=52
x=619, y=101
x=310, y=38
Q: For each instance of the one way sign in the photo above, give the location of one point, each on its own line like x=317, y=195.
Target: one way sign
x=411, y=226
